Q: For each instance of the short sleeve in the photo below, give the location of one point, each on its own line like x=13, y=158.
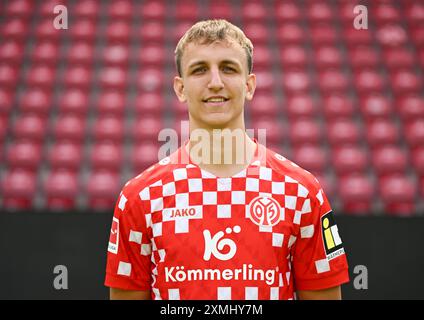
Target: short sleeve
x=129, y=250
x=319, y=259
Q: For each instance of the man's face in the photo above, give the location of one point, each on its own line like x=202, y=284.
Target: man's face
x=215, y=83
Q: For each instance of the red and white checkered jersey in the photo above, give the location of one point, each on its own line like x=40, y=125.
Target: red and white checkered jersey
x=264, y=233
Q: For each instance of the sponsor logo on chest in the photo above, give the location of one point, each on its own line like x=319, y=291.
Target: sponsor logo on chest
x=194, y=212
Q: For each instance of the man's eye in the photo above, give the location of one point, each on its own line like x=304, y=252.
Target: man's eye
x=229, y=69
x=199, y=70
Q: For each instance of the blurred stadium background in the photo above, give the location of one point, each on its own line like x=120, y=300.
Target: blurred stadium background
x=81, y=108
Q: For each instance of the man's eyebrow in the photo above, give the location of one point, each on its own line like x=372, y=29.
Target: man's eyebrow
x=202, y=62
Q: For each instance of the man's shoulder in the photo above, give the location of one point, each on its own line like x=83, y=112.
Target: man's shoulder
x=291, y=171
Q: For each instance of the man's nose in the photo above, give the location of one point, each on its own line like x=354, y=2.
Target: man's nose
x=215, y=82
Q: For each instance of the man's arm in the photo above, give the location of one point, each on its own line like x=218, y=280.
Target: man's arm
x=119, y=294
x=334, y=293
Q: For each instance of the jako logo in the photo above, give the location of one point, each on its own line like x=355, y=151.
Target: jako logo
x=215, y=245
x=185, y=212
x=265, y=211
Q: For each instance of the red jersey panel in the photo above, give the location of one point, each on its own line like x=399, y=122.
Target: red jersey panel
x=263, y=233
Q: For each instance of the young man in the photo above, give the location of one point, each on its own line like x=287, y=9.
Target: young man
x=222, y=218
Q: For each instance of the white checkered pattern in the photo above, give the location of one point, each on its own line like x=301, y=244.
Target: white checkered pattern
x=124, y=268
x=174, y=294
x=224, y=293
x=251, y=293
x=307, y=231
x=322, y=265
x=135, y=236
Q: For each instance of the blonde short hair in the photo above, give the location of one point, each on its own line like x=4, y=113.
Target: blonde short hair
x=209, y=31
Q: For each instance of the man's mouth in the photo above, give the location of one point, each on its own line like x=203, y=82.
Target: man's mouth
x=215, y=100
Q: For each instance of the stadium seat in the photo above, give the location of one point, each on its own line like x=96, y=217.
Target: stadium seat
x=8, y=76
x=363, y=57
x=293, y=56
x=369, y=81
x=116, y=54
x=385, y=14
x=348, y=160
x=118, y=31
x=343, y=132
x=417, y=156
x=253, y=12
x=382, y=132
x=6, y=100
x=410, y=107
x=151, y=55
x=65, y=155
x=417, y=36
x=414, y=132
x=106, y=155
x=187, y=10
x=42, y=76
x=389, y=160
x=263, y=57
x=18, y=189
x=332, y=81
x=46, y=8
x=11, y=52
x=357, y=194
x=113, y=78
x=30, y=127
x=220, y=10
x=287, y=11
x=337, y=106
x=151, y=32
x=69, y=127
x=83, y=29
x=147, y=129
x=45, y=52
x=305, y=131
x=256, y=32
x=88, y=9
x=354, y=37
x=80, y=52
x=19, y=8
x=143, y=156
x=121, y=9
x=323, y=34
x=327, y=57
x=77, y=77
x=24, y=154
x=318, y=11
x=396, y=58
x=263, y=105
x=74, y=101
x=414, y=12
x=150, y=80
x=149, y=104
x=15, y=29
x=398, y=194
x=375, y=106
x=45, y=30
x=296, y=82
x=290, y=33
x=391, y=35
x=108, y=128
x=153, y=10
x=111, y=102
x=300, y=106
x=36, y=100
x=405, y=81
x=274, y=130
x=311, y=157
x=61, y=190
x=102, y=189
x=265, y=82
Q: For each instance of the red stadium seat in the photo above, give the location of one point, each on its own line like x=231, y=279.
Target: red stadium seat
x=300, y=106
x=153, y=10
x=363, y=57
x=46, y=8
x=108, y=128
x=14, y=29
x=147, y=129
x=417, y=36
x=30, y=127
x=354, y=37
x=113, y=78
x=116, y=55
x=348, y=160
x=74, y=101
x=305, y=131
x=417, y=156
x=42, y=76
x=69, y=128
x=144, y=155
x=151, y=80
x=323, y=34
x=395, y=58
x=45, y=30
x=392, y=35
x=254, y=11
x=122, y=9
x=102, y=190
x=187, y=10
x=111, y=103
x=287, y=11
x=375, y=106
x=77, y=77
x=405, y=81
x=369, y=81
x=80, y=52
x=151, y=32
x=293, y=56
x=357, y=194
x=8, y=75
x=332, y=81
x=389, y=160
x=410, y=107
x=414, y=13
x=65, y=155
x=180, y=28
x=46, y=52
x=263, y=57
x=274, y=130
x=343, y=132
x=88, y=9
x=311, y=157
x=398, y=194
x=386, y=14
x=105, y=155
x=36, y=101
x=149, y=104
x=265, y=82
x=19, y=8
x=18, y=189
x=61, y=190
x=414, y=132
x=6, y=100
x=337, y=106
x=220, y=10
x=83, y=29
x=263, y=105
x=382, y=132
x=257, y=32
x=118, y=31
x=151, y=55
x=319, y=11
x=296, y=82
x=328, y=57
x=11, y=52
x=25, y=155
x=290, y=33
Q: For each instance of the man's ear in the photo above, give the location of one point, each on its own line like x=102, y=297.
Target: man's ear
x=179, y=89
x=251, y=86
